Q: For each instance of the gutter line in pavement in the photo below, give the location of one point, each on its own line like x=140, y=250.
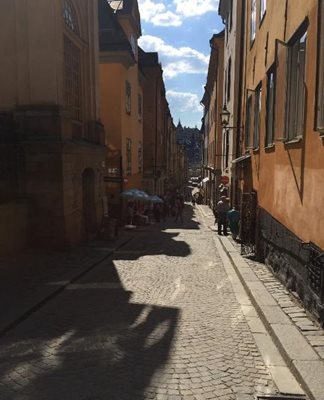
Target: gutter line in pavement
x=309, y=380
x=17, y=320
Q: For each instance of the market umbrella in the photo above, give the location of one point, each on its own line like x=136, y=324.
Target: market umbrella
x=136, y=194
x=155, y=199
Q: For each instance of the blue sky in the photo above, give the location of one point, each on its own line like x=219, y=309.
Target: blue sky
x=180, y=30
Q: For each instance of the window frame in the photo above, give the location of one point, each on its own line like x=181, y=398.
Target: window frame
x=253, y=21
x=294, y=129
x=128, y=156
x=128, y=97
x=319, y=96
x=248, y=122
x=270, y=102
x=262, y=9
x=257, y=116
x=139, y=106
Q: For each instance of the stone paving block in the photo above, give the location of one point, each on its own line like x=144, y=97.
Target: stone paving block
x=263, y=298
x=294, y=342
x=274, y=314
x=285, y=380
x=255, y=324
x=313, y=374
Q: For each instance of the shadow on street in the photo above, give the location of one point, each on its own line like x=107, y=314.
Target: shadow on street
x=89, y=343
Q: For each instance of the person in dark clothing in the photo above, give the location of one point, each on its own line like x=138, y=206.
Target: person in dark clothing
x=233, y=217
x=222, y=209
x=179, y=206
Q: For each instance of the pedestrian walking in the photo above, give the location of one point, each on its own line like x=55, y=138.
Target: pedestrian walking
x=179, y=206
x=233, y=217
x=222, y=209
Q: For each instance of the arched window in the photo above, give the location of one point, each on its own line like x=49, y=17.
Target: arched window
x=72, y=62
x=70, y=17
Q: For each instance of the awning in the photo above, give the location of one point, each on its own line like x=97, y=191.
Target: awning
x=245, y=157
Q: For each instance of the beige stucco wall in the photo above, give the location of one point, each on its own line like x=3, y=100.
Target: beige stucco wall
x=31, y=45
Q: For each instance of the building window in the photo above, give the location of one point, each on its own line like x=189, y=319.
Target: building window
x=295, y=111
x=263, y=8
x=257, y=115
x=128, y=97
x=128, y=156
x=70, y=17
x=230, y=15
x=229, y=75
x=139, y=100
x=72, y=78
x=248, y=122
x=319, y=115
x=140, y=156
x=226, y=149
x=253, y=20
x=270, y=107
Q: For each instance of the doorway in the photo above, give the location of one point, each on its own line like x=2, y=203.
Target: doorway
x=88, y=204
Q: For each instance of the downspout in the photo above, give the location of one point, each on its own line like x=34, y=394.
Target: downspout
x=215, y=121
x=240, y=97
x=156, y=129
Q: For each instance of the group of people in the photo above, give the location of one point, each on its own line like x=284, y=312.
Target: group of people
x=171, y=205
x=225, y=215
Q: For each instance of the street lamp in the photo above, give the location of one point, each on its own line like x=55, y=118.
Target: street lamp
x=225, y=116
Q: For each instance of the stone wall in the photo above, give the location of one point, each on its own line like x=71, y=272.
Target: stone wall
x=13, y=227
x=290, y=259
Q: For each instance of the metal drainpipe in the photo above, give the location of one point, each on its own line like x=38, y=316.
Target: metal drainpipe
x=156, y=129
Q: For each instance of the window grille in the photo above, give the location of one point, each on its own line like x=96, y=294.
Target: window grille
x=320, y=72
x=72, y=78
x=140, y=107
x=140, y=157
x=257, y=114
x=70, y=17
x=229, y=76
x=128, y=156
x=248, y=122
x=270, y=107
x=128, y=98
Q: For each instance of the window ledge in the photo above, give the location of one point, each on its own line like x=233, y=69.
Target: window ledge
x=256, y=149
x=293, y=141
x=270, y=146
x=262, y=18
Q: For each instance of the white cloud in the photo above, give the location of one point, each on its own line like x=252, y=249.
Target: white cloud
x=157, y=14
x=173, y=69
x=176, y=60
x=154, y=43
x=194, y=8
x=184, y=101
x=162, y=13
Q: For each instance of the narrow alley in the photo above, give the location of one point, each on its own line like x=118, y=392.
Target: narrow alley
x=164, y=317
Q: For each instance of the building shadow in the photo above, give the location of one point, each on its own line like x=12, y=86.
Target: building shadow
x=89, y=343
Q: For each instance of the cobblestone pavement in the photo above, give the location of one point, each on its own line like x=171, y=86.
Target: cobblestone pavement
x=292, y=307
x=159, y=320
x=290, y=304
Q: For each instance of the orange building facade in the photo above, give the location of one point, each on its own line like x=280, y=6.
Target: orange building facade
x=282, y=145
x=121, y=84
x=215, y=160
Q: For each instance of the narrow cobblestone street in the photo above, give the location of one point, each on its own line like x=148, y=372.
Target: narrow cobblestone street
x=157, y=320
